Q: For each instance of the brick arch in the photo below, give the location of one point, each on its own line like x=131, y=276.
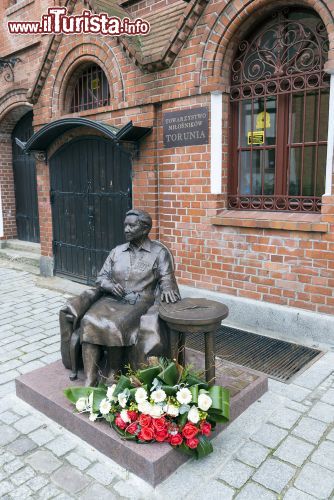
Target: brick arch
x=13, y=106
x=89, y=52
x=232, y=25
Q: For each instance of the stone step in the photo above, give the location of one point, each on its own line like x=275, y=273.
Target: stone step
x=19, y=256
x=22, y=246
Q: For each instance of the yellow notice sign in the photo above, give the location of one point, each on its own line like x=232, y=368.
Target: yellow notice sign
x=95, y=84
x=256, y=137
x=263, y=120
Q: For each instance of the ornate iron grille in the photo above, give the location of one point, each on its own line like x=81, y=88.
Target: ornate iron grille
x=91, y=90
x=279, y=101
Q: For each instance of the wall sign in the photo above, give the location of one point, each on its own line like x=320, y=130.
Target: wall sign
x=256, y=137
x=189, y=127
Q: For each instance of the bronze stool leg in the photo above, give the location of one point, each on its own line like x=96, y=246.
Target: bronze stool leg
x=182, y=352
x=210, y=357
x=177, y=343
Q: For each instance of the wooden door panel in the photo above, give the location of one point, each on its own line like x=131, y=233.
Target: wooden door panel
x=25, y=184
x=91, y=192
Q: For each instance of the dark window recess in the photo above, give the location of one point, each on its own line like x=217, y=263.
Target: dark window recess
x=279, y=359
x=91, y=90
x=279, y=110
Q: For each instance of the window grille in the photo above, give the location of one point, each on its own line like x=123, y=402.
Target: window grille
x=279, y=110
x=91, y=90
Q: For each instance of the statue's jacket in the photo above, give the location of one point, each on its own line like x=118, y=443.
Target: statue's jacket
x=108, y=321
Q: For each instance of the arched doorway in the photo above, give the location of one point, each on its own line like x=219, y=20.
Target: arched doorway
x=24, y=170
x=90, y=179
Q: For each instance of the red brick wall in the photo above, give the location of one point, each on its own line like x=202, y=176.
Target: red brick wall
x=44, y=207
x=13, y=92
x=7, y=187
x=290, y=267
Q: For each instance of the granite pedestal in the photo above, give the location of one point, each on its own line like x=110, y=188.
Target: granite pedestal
x=43, y=389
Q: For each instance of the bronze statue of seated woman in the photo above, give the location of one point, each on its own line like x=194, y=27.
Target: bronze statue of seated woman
x=117, y=323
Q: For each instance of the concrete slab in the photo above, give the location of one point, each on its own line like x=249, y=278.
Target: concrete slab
x=43, y=389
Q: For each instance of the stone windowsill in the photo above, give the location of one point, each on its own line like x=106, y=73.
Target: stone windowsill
x=19, y=5
x=271, y=220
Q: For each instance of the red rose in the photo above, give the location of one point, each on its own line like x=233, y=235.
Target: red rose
x=132, y=428
x=189, y=431
x=159, y=424
x=145, y=420
x=205, y=428
x=120, y=422
x=192, y=443
x=146, y=434
x=161, y=435
x=176, y=440
x=133, y=415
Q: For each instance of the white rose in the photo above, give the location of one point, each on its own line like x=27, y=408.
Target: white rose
x=156, y=411
x=81, y=404
x=110, y=393
x=125, y=417
x=145, y=407
x=140, y=395
x=93, y=417
x=184, y=396
x=193, y=415
x=204, y=402
x=158, y=396
x=122, y=399
x=171, y=410
x=105, y=407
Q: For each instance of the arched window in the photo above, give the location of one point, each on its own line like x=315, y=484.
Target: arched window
x=91, y=89
x=279, y=111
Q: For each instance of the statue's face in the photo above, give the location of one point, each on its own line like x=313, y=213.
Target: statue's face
x=133, y=229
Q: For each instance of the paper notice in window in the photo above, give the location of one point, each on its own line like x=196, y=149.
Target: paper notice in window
x=256, y=138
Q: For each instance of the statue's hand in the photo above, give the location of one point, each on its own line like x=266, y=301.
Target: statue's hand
x=115, y=289
x=170, y=297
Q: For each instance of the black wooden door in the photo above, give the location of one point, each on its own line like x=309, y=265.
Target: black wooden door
x=25, y=183
x=90, y=194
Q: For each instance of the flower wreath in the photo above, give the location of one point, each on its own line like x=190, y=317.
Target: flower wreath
x=162, y=403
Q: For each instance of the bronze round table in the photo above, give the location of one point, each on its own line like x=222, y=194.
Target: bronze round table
x=193, y=316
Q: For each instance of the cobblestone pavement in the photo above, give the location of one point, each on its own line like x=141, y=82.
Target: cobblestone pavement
x=281, y=447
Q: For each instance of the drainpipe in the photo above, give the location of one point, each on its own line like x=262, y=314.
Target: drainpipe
x=216, y=128
x=330, y=143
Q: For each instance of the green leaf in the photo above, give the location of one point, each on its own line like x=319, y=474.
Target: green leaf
x=122, y=384
x=170, y=375
x=194, y=392
x=74, y=393
x=98, y=396
x=219, y=419
x=220, y=401
x=195, y=380
x=204, y=447
x=182, y=419
x=184, y=409
x=186, y=450
x=148, y=375
x=123, y=434
x=170, y=390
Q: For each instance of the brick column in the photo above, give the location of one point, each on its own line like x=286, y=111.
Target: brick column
x=7, y=188
x=327, y=209
x=45, y=216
